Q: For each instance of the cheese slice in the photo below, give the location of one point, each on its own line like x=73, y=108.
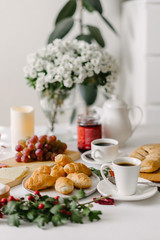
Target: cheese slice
x=13, y=176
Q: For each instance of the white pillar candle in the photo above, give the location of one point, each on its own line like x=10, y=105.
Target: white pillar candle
x=22, y=124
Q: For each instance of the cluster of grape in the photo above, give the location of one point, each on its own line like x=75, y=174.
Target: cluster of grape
x=43, y=148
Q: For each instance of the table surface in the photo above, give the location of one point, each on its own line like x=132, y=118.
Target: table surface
x=125, y=220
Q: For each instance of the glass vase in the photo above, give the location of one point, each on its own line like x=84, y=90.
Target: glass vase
x=58, y=107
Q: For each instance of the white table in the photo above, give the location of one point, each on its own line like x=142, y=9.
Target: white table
x=138, y=220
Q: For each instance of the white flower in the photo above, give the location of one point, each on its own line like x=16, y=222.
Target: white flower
x=69, y=63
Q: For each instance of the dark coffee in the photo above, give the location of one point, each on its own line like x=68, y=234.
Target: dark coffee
x=126, y=164
x=104, y=144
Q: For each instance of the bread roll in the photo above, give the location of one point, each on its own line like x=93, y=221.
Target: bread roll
x=57, y=171
x=149, y=155
x=77, y=167
x=64, y=185
x=39, y=181
x=80, y=180
x=62, y=159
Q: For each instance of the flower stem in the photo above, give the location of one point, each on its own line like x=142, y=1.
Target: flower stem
x=81, y=16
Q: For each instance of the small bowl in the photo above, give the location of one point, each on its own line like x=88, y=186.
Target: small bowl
x=6, y=194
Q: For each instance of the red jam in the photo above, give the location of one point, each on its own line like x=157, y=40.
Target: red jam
x=89, y=129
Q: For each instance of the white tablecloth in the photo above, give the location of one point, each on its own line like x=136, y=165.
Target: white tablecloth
x=137, y=220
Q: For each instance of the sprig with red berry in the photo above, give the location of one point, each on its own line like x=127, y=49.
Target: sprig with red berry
x=43, y=210
x=42, y=148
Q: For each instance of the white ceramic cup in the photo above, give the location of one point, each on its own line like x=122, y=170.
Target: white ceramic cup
x=22, y=123
x=104, y=149
x=126, y=177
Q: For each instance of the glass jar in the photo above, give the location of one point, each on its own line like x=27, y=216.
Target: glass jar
x=89, y=128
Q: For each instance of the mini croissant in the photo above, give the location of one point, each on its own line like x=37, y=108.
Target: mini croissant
x=80, y=180
x=63, y=159
x=57, y=171
x=42, y=169
x=64, y=185
x=40, y=181
x=77, y=167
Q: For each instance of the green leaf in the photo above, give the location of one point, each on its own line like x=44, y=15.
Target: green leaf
x=13, y=220
x=41, y=220
x=96, y=34
x=86, y=211
x=11, y=207
x=56, y=219
x=94, y=215
x=85, y=37
x=80, y=194
x=76, y=217
x=88, y=93
x=67, y=11
x=56, y=209
x=32, y=214
x=61, y=29
x=93, y=5
x=109, y=24
x=73, y=115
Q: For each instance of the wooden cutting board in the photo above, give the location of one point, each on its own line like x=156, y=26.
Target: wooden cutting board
x=33, y=165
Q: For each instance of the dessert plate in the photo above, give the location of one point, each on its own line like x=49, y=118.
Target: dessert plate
x=143, y=191
x=52, y=193
x=86, y=157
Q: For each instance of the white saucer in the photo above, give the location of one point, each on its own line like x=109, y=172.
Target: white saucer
x=90, y=160
x=52, y=193
x=143, y=191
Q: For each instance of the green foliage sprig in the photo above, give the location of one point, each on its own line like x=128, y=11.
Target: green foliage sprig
x=66, y=19
x=43, y=210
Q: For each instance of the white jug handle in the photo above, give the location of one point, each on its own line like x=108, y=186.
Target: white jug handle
x=141, y=116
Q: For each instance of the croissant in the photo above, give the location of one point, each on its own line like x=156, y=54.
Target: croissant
x=150, y=157
x=57, y=171
x=39, y=181
x=63, y=159
x=80, y=180
x=42, y=169
x=77, y=167
x=64, y=185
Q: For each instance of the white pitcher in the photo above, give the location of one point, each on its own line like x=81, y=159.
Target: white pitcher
x=115, y=119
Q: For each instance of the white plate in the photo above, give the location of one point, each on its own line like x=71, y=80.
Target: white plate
x=52, y=193
x=143, y=191
x=86, y=157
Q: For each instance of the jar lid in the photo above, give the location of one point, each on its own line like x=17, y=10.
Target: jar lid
x=115, y=102
x=88, y=119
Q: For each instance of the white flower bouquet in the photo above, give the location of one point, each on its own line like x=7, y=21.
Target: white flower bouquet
x=55, y=70
x=63, y=64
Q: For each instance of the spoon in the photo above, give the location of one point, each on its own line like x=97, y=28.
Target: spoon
x=150, y=184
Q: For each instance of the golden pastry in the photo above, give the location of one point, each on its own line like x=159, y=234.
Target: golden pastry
x=63, y=159
x=64, y=185
x=42, y=169
x=77, y=167
x=40, y=181
x=80, y=180
x=149, y=155
x=57, y=171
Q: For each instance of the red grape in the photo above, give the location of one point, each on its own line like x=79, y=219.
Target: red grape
x=19, y=148
x=33, y=155
x=51, y=139
x=31, y=146
x=34, y=139
x=42, y=139
x=48, y=156
x=26, y=152
x=39, y=152
x=39, y=145
x=18, y=157
x=25, y=159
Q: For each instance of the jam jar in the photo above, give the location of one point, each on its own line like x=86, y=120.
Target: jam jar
x=89, y=128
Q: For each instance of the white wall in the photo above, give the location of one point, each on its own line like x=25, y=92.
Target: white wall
x=24, y=27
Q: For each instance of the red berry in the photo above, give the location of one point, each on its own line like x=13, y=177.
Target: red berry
x=31, y=198
x=56, y=197
x=68, y=213
x=41, y=206
x=37, y=193
x=1, y=215
x=4, y=200
x=63, y=211
x=11, y=198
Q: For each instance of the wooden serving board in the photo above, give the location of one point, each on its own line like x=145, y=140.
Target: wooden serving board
x=154, y=177
x=31, y=166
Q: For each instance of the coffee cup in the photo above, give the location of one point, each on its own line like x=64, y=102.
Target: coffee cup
x=126, y=172
x=104, y=149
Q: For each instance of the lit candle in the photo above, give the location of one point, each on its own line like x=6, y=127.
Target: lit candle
x=22, y=124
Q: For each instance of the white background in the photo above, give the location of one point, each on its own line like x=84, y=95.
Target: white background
x=24, y=27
